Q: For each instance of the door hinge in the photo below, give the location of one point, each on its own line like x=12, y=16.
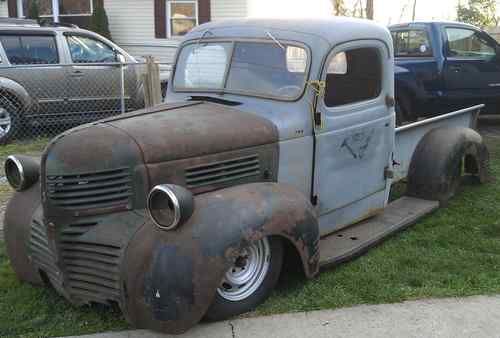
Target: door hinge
x=314, y=200
x=388, y=174
x=390, y=101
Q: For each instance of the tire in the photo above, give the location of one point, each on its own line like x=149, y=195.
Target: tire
x=403, y=110
x=9, y=121
x=229, y=299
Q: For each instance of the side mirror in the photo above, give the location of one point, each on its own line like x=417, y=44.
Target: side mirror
x=120, y=58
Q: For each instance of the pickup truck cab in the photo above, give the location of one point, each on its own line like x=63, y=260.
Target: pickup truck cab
x=277, y=134
x=444, y=66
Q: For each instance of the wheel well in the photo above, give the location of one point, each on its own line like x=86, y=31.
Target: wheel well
x=11, y=98
x=292, y=263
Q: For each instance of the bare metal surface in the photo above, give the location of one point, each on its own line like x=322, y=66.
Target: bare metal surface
x=352, y=241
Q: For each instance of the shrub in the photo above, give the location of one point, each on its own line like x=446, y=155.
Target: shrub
x=99, y=22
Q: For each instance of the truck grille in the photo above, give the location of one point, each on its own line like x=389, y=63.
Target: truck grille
x=41, y=254
x=90, y=190
x=223, y=171
x=91, y=268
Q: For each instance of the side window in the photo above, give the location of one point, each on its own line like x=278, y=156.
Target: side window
x=84, y=49
x=30, y=49
x=353, y=76
x=411, y=43
x=468, y=43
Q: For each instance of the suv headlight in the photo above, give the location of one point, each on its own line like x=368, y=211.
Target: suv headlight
x=170, y=205
x=22, y=171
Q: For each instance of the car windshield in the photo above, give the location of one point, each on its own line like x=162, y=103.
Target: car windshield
x=271, y=69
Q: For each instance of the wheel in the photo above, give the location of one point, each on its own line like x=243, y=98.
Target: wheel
x=403, y=110
x=9, y=121
x=248, y=282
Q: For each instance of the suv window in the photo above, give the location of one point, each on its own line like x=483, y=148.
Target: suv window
x=468, y=43
x=30, y=49
x=411, y=43
x=84, y=49
x=353, y=76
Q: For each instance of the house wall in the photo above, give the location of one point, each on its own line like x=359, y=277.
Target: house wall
x=131, y=23
x=4, y=11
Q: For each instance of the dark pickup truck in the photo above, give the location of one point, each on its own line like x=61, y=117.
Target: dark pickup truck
x=444, y=66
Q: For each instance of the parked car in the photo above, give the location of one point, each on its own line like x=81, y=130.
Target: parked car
x=444, y=66
x=53, y=75
x=279, y=134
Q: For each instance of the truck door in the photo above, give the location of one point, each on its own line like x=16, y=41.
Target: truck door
x=472, y=68
x=354, y=145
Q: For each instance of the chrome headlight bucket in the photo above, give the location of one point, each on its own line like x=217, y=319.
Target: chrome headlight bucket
x=170, y=205
x=22, y=171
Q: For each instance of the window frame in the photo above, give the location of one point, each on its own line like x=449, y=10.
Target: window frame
x=346, y=109
x=32, y=34
x=447, y=44
x=169, y=18
x=21, y=14
x=243, y=93
x=68, y=34
x=408, y=29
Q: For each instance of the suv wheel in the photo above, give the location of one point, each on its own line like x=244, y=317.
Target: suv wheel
x=9, y=122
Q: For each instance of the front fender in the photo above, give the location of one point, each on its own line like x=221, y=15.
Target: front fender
x=171, y=277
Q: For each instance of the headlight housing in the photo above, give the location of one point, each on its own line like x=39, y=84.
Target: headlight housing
x=170, y=205
x=22, y=171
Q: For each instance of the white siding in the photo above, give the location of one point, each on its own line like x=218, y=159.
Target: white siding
x=229, y=9
x=4, y=10
x=131, y=23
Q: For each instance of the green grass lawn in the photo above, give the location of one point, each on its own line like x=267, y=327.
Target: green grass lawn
x=453, y=252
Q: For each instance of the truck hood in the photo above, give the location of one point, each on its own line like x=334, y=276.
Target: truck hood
x=176, y=131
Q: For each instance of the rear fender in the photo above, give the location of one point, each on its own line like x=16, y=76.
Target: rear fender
x=436, y=157
x=171, y=277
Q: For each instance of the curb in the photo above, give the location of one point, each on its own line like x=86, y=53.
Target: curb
x=451, y=317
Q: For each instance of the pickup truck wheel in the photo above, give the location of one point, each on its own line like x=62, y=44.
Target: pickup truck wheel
x=249, y=281
x=9, y=122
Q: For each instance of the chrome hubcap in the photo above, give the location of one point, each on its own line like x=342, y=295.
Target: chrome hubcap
x=247, y=273
x=5, y=122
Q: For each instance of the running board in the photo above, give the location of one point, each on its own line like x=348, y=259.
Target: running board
x=353, y=241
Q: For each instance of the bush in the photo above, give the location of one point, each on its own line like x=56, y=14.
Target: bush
x=34, y=10
x=99, y=22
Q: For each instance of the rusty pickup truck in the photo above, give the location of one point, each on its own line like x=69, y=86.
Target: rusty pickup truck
x=277, y=142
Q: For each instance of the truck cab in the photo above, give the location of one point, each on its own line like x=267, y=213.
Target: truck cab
x=275, y=134
x=444, y=66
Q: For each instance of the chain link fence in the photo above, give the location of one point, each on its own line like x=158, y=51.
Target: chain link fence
x=44, y=100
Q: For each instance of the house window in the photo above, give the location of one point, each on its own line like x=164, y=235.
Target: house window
x=66, y=7
x=182, y=16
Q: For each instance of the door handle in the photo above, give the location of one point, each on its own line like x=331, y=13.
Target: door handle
x=77, y=73
x=456, y=69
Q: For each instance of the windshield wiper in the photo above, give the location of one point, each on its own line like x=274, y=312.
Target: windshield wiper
x=275, y=40
x=203, y=36
x=214, y=100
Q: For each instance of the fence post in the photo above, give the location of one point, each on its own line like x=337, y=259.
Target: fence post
x=122, y=88
x=152, y=86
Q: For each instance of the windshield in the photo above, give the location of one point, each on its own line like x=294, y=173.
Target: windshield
x=250, y=68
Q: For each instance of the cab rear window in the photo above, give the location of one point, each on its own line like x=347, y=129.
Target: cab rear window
x=411, y=43
x=30, y=49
